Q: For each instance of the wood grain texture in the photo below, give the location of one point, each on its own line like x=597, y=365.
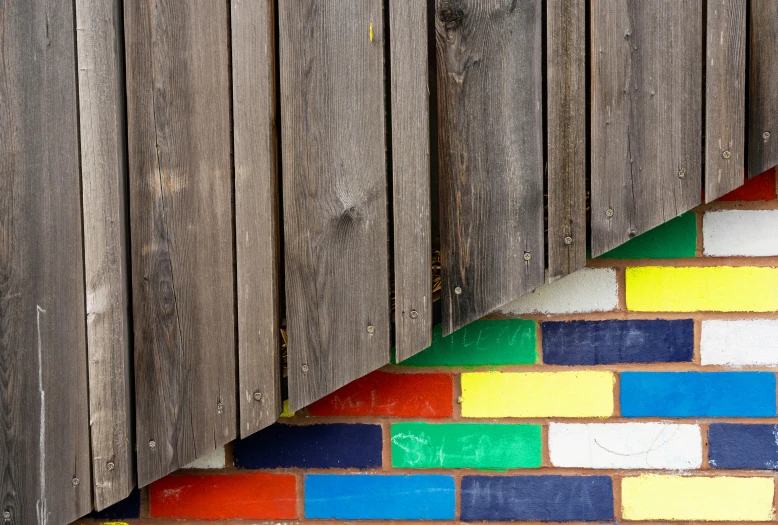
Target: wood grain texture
x=566, y=124
x=646, y=116
x=725, y=97
x=178, y=108
x=762, y=132
x=44, y=436
x=104, y=186
x=411, y=172
x=491, y=154
x=256, y=213
x=334, y=190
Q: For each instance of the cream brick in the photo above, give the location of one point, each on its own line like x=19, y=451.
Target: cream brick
x=587, y=290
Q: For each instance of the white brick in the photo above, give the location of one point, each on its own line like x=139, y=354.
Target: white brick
x=625, y=445
x=752, y=233
x=740, y=343
x=587, y=290
x=214, y=459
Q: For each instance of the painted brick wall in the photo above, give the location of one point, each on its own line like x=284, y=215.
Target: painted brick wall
x=640, y=389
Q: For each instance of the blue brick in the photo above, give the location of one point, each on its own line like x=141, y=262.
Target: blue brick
x=697, y=394
x=607, y=342
x=311, y=446
x=379, y=497
x=743, y=446
x=537, y=498
x=128, y=508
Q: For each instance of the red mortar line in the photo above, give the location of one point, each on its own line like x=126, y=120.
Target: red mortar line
x=627, y=315
x=700, y=248
x=738, y=205
x=616, y=367
x=696, y=262
x=772, y=420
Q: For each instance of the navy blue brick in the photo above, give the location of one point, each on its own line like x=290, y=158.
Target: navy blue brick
x=537, y=498
x=743, y=446
x=608, y=342
x=128, y=508
x=337, y=445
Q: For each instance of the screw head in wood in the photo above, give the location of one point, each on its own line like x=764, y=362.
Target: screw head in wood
x=726, y=154
x=527, y=256
x=152, y=444
x=458, y=290
x=681, y=173
x=766, y=135
x=414, y=314
x=257, y=396
x=76, y=481
x=370, y=329
x=460, y=400
x=7, y=514
x=110, y=465
x=304, y=368
x=632, y=233
x=609, y=212
x=568, y=240
x=219, y=407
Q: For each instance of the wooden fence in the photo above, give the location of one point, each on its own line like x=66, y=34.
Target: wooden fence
x=180, y=180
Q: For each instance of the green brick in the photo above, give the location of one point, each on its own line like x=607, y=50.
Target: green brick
x=481, y=343
x=466, y=445
x=674, y=239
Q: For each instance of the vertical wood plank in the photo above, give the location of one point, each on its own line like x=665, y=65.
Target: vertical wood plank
x=646, y=116
x=334, y=190
x=44, y=446
x=178, y=107
x=411, y=172
x=725, y=97
x=762, y=133
x=491, y=154
x=100, y=43
x=566, y=104
x=256, y=211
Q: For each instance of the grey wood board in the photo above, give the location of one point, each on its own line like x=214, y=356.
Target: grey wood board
x=411, y=177
x=100, y=43
x=566, y=128
x=646, y=113
x=725, y=97
x=179, y=134
x=491, y=154
x=334, y=193
x=762, y=118
x=256, y=213
x=44, y=446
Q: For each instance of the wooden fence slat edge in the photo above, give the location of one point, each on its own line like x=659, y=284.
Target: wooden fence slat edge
x=256, y=213
x=104, y=180
x=566, y=103
x=411, y=167
x=762, y=118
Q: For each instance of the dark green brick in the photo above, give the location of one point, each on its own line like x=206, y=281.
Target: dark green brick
x=481, y=343
x=484, y=446
x=674, y=239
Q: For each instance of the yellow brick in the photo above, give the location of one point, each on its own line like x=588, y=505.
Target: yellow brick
x=697, y=498
x=537, y=394
x=717, y=289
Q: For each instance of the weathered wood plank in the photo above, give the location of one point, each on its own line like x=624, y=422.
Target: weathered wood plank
x=100, y=44
x=178, y=108
x=411, y=172
x=44, y=442
x=566, y=122
x=762, y=133
x=334, y=187
x=645, y=117
x=725, y=97
x=256, y=213
x=491, y=154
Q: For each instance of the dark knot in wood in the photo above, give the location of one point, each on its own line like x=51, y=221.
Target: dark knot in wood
x=451, y=13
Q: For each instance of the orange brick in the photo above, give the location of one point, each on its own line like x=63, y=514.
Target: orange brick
x=255, y=496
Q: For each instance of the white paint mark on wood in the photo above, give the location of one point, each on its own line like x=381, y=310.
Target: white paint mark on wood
x=751, y=233
x=40, y=507
x=625, y=445
x=752, y=342
x=587, y=290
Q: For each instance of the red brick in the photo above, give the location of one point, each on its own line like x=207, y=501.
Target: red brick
x=255, y=496
x=384, y=394
x=760, y=188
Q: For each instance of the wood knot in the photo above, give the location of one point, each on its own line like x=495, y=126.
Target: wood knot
x=451, y=13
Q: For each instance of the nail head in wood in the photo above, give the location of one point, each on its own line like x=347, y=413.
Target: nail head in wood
x=219, y=407
x=304, y=369
x=370, y=329
x=76, y=481
x=766, y=135
x=458, y=290
x=110, y=465
x=7, y=514
x=681, y=173
x=414, y=314
x=527, y=256
x=257, y=396
x=726, y=154
x=609, y=212
x=152, y=444
x=568, y=240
